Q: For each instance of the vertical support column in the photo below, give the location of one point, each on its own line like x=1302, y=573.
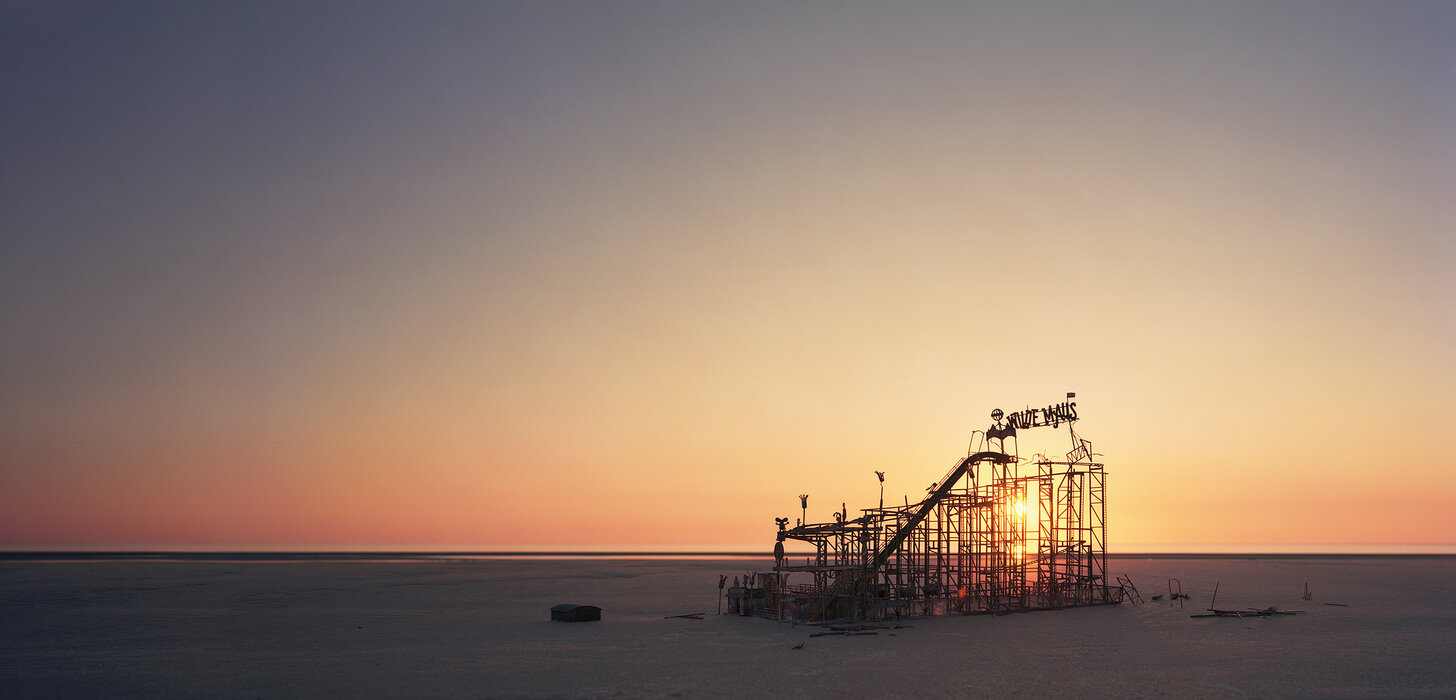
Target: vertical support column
x=1069, y=537
x=1046, y=574
x=1098, y=486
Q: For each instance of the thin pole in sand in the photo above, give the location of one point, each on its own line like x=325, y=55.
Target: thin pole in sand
x=1215, y=596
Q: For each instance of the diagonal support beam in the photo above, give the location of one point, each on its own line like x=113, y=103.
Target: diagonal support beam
x=929, y=503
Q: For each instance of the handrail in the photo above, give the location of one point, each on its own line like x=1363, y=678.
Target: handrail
x=971, y=449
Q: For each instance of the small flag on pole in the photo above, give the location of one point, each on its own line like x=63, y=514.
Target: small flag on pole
x=1071, y=394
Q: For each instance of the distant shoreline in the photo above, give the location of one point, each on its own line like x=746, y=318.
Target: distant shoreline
x=264, y=556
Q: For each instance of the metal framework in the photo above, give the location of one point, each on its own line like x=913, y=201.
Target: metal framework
x=995, y=534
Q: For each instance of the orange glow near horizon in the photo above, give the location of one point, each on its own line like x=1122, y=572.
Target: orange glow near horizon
x=519, y=274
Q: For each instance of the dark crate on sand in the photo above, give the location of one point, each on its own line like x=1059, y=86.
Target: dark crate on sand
x=566, y=612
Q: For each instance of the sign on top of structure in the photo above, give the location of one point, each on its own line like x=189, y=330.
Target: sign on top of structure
x=1053, y=415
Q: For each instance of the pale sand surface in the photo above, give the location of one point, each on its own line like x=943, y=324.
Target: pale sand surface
x=480, y=628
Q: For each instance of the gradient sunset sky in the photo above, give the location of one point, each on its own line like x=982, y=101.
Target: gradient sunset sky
x=590, y=272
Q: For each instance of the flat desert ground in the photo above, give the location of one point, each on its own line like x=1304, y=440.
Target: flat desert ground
x=431, y=627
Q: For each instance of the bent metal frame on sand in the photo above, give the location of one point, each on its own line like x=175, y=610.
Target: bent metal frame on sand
x=985, y=539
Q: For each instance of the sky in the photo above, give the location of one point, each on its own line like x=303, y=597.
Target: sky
x=629, y=273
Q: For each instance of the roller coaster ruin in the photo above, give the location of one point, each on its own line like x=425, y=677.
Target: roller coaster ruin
x=986, y=539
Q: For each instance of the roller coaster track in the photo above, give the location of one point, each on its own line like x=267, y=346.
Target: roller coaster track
x=928, y=505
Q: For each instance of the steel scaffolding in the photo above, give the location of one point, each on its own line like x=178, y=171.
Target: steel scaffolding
x=969, y=547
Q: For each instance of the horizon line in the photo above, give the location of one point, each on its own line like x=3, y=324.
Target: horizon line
x=261, y=557
x=375, y=551
x=601, y=546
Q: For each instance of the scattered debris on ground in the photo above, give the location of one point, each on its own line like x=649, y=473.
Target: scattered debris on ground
x=1127, y=591
x=1246, y=612
x=862, y=628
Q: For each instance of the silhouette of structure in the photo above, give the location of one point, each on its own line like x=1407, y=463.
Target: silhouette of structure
x=995, y=534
